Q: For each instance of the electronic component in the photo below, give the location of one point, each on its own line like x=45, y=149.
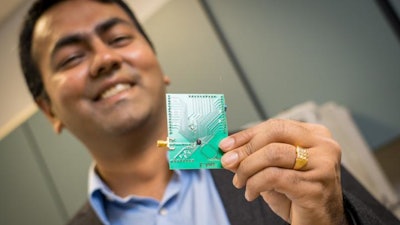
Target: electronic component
x=196, y=125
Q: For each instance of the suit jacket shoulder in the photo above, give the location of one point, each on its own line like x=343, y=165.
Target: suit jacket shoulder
x=361, y=205
x=85, y=216
x=358, y=203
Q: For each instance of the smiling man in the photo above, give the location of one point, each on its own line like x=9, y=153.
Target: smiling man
x=92, y=70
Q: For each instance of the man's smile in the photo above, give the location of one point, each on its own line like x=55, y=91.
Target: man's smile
x=115, y=90
x=113, y=86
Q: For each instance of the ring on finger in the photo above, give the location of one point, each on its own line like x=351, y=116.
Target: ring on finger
x=301, y=158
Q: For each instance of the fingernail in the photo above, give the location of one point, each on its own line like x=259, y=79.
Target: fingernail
x=246, y=196
x=226, y=143
x=235, y=182
x=229, y=158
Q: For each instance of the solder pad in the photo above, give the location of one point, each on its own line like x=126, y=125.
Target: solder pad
x=196, y=125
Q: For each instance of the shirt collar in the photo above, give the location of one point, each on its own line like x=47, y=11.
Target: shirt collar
x=95, y=188
x=95, y=183
x=99, y=192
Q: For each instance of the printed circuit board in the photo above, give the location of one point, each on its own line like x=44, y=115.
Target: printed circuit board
x=196, y=125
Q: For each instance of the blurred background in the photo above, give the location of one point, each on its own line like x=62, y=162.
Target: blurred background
x=329, y=62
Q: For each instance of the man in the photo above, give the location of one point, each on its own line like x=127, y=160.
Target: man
x=92, y=70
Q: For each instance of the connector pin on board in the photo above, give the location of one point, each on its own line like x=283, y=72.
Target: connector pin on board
x=162, y=143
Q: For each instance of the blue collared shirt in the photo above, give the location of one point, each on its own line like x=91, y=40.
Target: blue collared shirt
x=190, y=198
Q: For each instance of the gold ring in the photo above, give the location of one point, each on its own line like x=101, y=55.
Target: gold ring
x=301, y=158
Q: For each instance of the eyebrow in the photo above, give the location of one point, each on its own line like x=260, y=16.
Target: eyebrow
x=67, y=40
x=106, y=25
x=79, y=37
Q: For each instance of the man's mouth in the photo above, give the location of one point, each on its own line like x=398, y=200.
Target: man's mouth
x=114, y=90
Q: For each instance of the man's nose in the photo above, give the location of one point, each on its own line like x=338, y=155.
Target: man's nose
x=105, y=60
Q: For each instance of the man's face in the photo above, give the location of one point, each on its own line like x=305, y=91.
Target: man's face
x=99, y=72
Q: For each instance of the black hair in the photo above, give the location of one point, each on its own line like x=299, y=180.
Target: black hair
x=33, y=77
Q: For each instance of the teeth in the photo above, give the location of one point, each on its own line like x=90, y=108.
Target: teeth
x=115, y=90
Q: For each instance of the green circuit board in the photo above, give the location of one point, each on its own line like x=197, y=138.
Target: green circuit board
x=196, y=125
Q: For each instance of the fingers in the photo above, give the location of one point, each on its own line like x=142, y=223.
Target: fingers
x=273, y=155
x=293, y=184
x=312, y=193
x=242, y=144
x=283, y=156
x=296, y=198
x=278, y=203
x=275, y=130
x=263, y=159
x=318, y=129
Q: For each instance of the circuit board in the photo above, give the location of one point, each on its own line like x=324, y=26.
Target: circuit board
x=196, y=125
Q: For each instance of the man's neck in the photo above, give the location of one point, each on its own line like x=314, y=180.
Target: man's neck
x=147, y=175
x=134, y=165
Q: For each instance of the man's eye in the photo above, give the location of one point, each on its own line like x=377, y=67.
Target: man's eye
x=71, y=61
x=120, y=41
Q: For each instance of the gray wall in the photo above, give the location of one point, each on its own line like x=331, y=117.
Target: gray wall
x=191, y=55
x=43, y=175
x=343, y=51
x=291, y=51
x=27, y=195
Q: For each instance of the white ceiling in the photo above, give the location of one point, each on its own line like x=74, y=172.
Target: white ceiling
x=143, y=8
x=8, y=7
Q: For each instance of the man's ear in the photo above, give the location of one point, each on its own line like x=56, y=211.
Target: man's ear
x=167, y=81
x=45, y=106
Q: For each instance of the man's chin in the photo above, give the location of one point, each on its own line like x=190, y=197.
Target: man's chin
x=125, y=127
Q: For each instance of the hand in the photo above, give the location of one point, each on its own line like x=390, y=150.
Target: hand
x=262, y=158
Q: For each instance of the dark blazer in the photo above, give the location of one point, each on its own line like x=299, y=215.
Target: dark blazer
x=360, y=206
